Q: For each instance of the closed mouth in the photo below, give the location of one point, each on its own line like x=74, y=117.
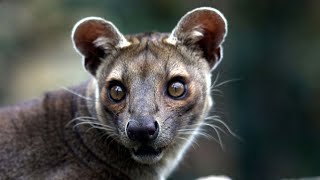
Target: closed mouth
x=147, y=151
x=147, y=154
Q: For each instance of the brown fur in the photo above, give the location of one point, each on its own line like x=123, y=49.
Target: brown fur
x=81, y=133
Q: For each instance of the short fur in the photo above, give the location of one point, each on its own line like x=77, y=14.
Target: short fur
x=80, y=133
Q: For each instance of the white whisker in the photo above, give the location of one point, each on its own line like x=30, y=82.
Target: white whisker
x=216, y=119
x=199, y=132
x=95, y=125
x=214, y=126
x=77, y=94
x=192, y=143
x=226, y=82
x=219, y=138
x=216, y=80
x=81, y=118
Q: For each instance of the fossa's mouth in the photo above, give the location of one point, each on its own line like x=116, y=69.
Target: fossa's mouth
x=147, y=154
x=147, y=151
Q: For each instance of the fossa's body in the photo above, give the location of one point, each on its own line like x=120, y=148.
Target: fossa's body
x=136, y=116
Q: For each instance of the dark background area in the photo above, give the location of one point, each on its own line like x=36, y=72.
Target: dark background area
x=273, y=47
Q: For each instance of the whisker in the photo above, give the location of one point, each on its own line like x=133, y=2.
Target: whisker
x=213, y=127
x=98, y=127
x=103, y=135
x=219, y=138
x=100, y=124
x=226, y=82
x=77, y=94
x=192, y=143
x=113, y=136
x=214, y=87
x=216, y=80
x=183, y=130
x=216, y=119
x=81, y=118
x=201, y=133
x=95, y=125
x=194, y=129
x=218, y=93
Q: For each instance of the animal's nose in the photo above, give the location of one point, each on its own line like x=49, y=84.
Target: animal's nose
x=143, y=130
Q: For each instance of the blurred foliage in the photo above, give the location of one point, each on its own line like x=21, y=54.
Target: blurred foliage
x=272, y=46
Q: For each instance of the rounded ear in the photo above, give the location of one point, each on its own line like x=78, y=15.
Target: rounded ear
x=94, y=38
x=202, y=28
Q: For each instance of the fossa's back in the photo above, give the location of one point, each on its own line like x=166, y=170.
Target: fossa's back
x=136, y=116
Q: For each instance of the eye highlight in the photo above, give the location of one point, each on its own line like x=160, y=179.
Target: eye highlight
x=116, y=92
x=176, y=89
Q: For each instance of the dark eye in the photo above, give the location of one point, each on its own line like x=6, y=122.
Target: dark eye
x=117, y=92
x=176, y=89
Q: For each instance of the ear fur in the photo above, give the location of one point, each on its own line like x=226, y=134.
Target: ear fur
x=203, y=28
x=94, y=38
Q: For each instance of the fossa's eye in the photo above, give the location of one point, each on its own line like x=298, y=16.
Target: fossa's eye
x=176, y=89
x=117, y=92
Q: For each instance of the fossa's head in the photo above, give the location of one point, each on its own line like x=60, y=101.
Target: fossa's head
x=153, y=89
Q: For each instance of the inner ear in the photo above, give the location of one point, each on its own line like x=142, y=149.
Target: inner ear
x=95, y=38
x=203, y=29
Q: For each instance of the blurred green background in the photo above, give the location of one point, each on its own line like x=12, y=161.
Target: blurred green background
x=273, y=46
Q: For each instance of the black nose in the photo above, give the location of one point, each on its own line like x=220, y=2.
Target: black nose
x=143, y=130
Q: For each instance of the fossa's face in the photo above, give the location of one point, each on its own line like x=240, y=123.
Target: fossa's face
x=153, y=90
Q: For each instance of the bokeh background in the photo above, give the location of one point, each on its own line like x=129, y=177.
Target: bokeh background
x=273, y=47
